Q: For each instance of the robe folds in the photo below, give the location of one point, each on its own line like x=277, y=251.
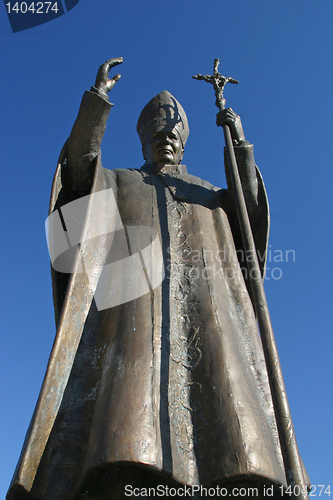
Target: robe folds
x=173, y=381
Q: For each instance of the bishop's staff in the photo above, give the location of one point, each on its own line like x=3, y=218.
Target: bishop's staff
x=291, y=458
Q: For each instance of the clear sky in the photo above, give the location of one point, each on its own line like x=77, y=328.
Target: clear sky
x=281, y=52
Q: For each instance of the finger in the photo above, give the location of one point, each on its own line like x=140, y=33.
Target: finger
x=221, y=120
x=102, y=72
x=104, y=69
x=113, y=62
x=111, y=83
x=228, y=112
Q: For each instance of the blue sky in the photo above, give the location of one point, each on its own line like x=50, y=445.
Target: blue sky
x=281, y=52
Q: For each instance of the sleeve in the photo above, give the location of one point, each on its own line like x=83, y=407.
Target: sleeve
x=247, y=172
x=256, y=202
x=85, y=140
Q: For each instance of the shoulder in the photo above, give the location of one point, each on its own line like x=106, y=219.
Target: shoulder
x=117, y=173
x=199, y=182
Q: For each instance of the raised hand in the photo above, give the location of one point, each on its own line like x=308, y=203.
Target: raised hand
x=103, y=83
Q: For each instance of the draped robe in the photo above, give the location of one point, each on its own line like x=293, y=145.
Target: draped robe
x=173, y=381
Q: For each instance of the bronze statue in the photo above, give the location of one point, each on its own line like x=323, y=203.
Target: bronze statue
x=169, y=388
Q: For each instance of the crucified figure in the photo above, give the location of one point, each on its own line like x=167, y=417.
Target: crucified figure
x=218, y=81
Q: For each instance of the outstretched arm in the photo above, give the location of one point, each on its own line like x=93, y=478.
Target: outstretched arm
x=89, y=127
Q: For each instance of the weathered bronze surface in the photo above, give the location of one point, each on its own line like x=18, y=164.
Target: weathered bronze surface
x=170, y=388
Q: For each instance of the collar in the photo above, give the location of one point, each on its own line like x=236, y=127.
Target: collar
x=166, y=169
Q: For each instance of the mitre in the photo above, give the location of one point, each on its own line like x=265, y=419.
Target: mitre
x=163, y=110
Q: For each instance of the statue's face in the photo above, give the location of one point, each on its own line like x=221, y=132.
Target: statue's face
x=163, y=146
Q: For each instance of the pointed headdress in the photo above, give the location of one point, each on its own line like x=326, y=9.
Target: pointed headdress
x=165, y=111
